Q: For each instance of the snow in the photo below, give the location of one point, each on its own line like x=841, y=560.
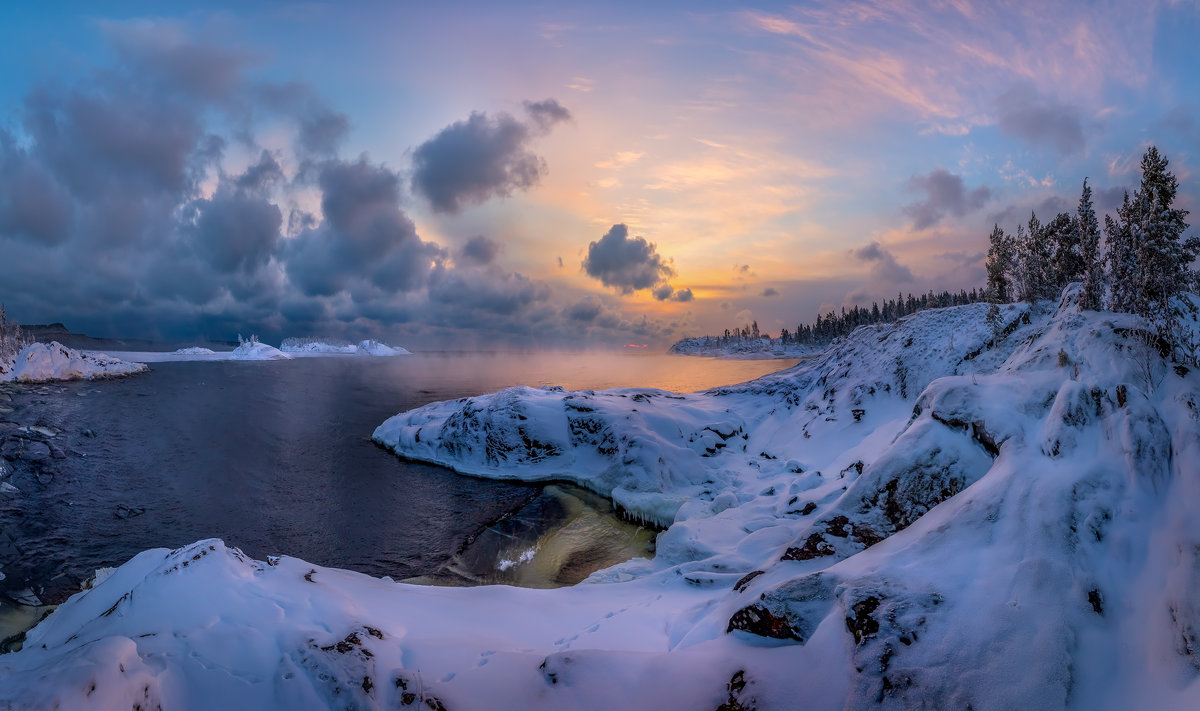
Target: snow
x=41, y=362
x=742, y=349
x=368, y=347
x=920, y=516
x=254, y=350
x=195, y=350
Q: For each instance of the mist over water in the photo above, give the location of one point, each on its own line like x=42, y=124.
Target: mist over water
x=273, y=457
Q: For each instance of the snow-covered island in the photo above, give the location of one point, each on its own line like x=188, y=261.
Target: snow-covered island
x=318, y=347
x=948, y=511
x=42, y=362
x=761, y=348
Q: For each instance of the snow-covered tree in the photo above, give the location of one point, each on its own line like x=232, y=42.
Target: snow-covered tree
x=1001, y=264
x=1063, y=236
x=1035, y=258
x=1089, y=251
x=1163, y=257
x=1121, y=258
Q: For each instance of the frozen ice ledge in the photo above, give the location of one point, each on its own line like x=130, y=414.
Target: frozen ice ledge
x=931, y=514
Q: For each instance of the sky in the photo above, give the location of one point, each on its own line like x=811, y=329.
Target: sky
x=512, y=175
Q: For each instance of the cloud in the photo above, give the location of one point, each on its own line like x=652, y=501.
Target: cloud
x=364, y=239
x=1024, y=113
x=585, y=310
x=666, y=292
x=545, y=114
x=770, y=291
x=624, y=263
x=470, y=161
x=884, y=267
x=946, y=195
x=479, y=250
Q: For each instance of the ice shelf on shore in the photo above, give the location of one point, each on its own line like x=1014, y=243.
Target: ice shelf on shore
x=42, y=362
x=929, y=514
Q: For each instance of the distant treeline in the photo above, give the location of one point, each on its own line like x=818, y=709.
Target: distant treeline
x=834, y=324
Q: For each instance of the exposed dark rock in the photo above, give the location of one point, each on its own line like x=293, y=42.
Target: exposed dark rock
x=758, y=620
x=861, y=624
x=814, y=547
x=738, y=700
x=742, y=582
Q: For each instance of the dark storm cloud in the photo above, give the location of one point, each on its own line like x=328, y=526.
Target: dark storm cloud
x=33, y=204
x=1024, y=113
x=236, y=230
x=471, y=161
x=479, y=250
x=624, y=263
x=884, y=266
x=945, y=195
x=364, y=236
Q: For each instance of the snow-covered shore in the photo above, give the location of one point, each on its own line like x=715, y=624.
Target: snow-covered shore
x=921, y=516
x=42, y=362
x=742, y=349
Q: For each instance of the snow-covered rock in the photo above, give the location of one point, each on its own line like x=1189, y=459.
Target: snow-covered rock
x=927, y=515
x=41, y=362
x=195, y=351
x=253, y=350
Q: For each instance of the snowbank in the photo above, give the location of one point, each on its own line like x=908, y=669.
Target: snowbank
x=41, y=362
x=926, y=515
x=253, y=350
x=742, y=349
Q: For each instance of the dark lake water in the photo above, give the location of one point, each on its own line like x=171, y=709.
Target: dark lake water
x=273, y=457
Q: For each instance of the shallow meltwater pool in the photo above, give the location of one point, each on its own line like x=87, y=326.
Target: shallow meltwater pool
x=276, y=458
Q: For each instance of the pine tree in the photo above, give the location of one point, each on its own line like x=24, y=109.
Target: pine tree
x=1035, y=260
x=1062, y=234
x=1121, y=258
x=1000, y=266
x=1089, y=251
x=1163, y=257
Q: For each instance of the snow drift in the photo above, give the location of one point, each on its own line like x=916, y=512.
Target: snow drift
x=929, y=514
x=41, y=362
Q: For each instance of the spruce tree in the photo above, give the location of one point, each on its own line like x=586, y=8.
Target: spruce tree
x=1121, y=258
x=1163, y=257
x=1036, y=261
x=1062, y=234
x=1001, y=262
x=1089, y=251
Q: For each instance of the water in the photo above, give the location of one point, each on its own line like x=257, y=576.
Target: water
x=276, y=458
